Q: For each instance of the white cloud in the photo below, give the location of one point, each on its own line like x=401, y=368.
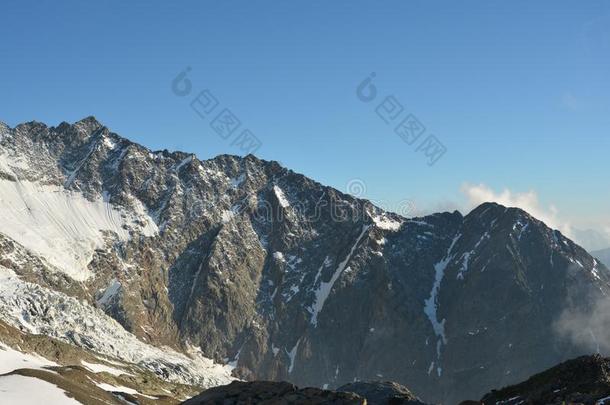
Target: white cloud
x=589, y=329
x=528, y=201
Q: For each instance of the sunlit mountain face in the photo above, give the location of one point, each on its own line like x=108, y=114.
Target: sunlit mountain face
x=196, y=273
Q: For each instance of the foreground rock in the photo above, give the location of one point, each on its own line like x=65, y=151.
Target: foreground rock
x=267, y=392
x=382, y=393
x=585, y=380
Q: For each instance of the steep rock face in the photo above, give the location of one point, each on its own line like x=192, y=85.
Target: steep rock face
x=282, y=277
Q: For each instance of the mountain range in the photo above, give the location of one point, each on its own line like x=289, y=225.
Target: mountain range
x=197, y=272
x=590, y=239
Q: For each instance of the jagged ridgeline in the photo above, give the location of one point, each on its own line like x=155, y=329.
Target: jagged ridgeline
x=271, y=274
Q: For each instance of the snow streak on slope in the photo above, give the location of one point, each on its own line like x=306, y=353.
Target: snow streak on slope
x=102, y=368
x=42, y=311
x=431, y=304
x=326, y=287
x=279, y=193
x=60, y=225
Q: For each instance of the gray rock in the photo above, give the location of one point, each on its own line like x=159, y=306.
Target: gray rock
x=382, y=393
x=584, y=380
x=272, y=393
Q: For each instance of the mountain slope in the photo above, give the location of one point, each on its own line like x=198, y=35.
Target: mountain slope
x=281, y=277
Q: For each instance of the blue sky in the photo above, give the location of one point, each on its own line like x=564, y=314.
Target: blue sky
x=518, y=92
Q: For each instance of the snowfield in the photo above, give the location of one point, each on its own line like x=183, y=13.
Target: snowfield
x=11, y=360
x=41, y=311
x=18, y=389
x=63, y=226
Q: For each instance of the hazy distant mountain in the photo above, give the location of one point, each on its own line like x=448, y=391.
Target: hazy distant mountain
x=591, y=240
x=271, y=273
x=603, y=255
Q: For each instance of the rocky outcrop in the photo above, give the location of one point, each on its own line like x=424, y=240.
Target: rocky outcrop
x=272, y=393
x=382, y=393
x=585, y=380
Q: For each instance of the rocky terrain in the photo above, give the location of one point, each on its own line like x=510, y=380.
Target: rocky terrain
x=200, y=271
x=268, y=392
x=584, y=380
x=382, y=393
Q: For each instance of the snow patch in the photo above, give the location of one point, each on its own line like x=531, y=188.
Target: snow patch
x=595, y=270
x=110, y=292
x=275, y=350
x=466, y=256
x=464, y=268
x=101, y=368
x=184, y=162
x=431, y=304
x=235, y=361
x=227, y=216
x=18, y=389
x=281, y=197
x=11, y=360
x=385, y=223
x=236, y=182
x=117, y=388
x=292, y=355
x=74, y=172
x=603, y=401
x=109, y=143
